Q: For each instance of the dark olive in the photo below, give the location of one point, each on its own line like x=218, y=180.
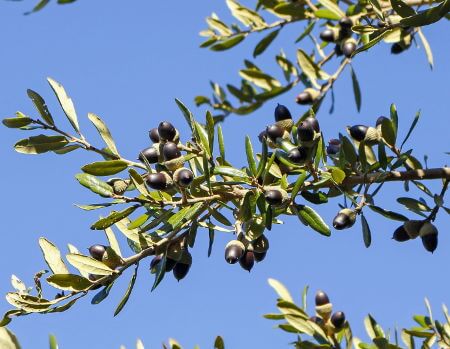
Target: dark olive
x=338, y=50
x=154, y=135
x=181, y=270
x=341, y=221
x=305, y=131
x=334, y=145
x=150, y=153
x=259, y=256
x=348, y=48
x=380, y=120
x=304, y=98
x=274, y=197
x=234, y=251
x=338, y=319
x=171, y=151
x=170, y=264
x=185, y=177
x=156, y=181
x=247, y=261
x=345, y=23
x=358, y=132
x=274, y=132
x=316, y=319
x=97, y=251
x=430, y=242
x=321, y=298
x=327, y=35
x=262, y=135
x=397, y=48
x=298, y=155
x=400, y=234
x=313, y=122
x=282, y=113
x=166, y=131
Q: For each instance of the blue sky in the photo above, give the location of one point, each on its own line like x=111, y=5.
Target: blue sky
x=127, y=61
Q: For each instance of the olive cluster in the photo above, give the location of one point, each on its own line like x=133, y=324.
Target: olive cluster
x=405, y=40
x=246, y=252
x=330, y=322
x=278, y=135
x=106, y=255
x=165, y=153
x=414, y=228
x=178, y=261
x=341, y=35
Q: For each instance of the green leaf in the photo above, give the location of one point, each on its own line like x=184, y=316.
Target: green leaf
x=262, y=160
x=211, y=239
x=337, y=174
x=186, y=113
x=388, y=132
x=426, y=47
x=333, y=7
x=138, y=182
x=210, y=130
x=125, y=298
x=228, y=43
x=41, y=106
x=160, y=272
x=17, y=122
x=411, y=128
x=105, y=168
x=306, y=32
x=221, y=143
x=265, y=42
x=94, y=184
x=52, y=257
x=88, y=264
x=112, y=218
x=104, y=132
x=372, y=42
x=66, y=103
x=388, y=214
x=298, y=185
x=413, y=204
x=326, y=14
x=218, y=25
x=260, y=79
x=310, y=68
x=312, y=218
x=219, y=343
x=69, y=282
x=230, y=171
x=402, y=9
x=245, y=15
x=40, y=144
x=250, y=159
x=102, y=295
x=203, y=138
x=428, y=16
x=316, y=198
x=367, y=236
x=356, y=89
x=53, y=342
x=382, y=158
x=8, y=340
x=281, y=290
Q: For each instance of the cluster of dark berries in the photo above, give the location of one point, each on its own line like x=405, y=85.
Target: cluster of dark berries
x=296, y=142
x=106, y=255
x=330, y=322
x=178, y=260
x=246, y=252
x=414, y=228
x=341, y=35
x=167, y=157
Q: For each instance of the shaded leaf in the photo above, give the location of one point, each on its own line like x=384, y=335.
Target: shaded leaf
x=105, y=168
x=94, y=184
x=88, y=264
x=125, y=298
x=104, y=132
x=52, y=257
x=69, y=282
x=40, y=144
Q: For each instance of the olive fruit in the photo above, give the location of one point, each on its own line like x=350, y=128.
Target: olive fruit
x=298, y=155
x=345, y=23
x=334, y=146
x=400, y=234
x=170, y=264
x=234, y=251
x=304, y=98
x=274, y=132
x=380, y=120
x=247, y=261
x=429, y=235
x=274, y=197
x=262, y=135
x=259, y=256
x=261, y=244
x=158, y=181
x=321, y=298
x=348, y=47
x=413, y=227
x=150, y=154
x=338, y=50
x=338, y=319
x=154, y=135
x=166, y=131
x=282, y=113
x=119, y=185
x=313, y=122
x=316, y=319
x=183, y=177
x=97, y=251
x=171, y=151
x=307, y=129
x=358, y=132
x=180, y=270
x=344, y=219
x=328, y=35
x=397, y=48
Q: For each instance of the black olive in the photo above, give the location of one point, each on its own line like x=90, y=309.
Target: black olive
x=282, y=113
x=154, y=135
x=234, y=251
x=304, y=98
x=358, y=132
x=274, y=197
x=156, y=181
x=247, y=261
x=400, y=234
x=166, y=131
x=97, y=251
x=348, y=48
x=298, y=155
x=274, y=132
x=321, y=298
x=338, y=319
x=171, y=151
x=150, y=153
x=181, y=270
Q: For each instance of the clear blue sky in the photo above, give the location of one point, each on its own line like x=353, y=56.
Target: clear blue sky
x=127, y=61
